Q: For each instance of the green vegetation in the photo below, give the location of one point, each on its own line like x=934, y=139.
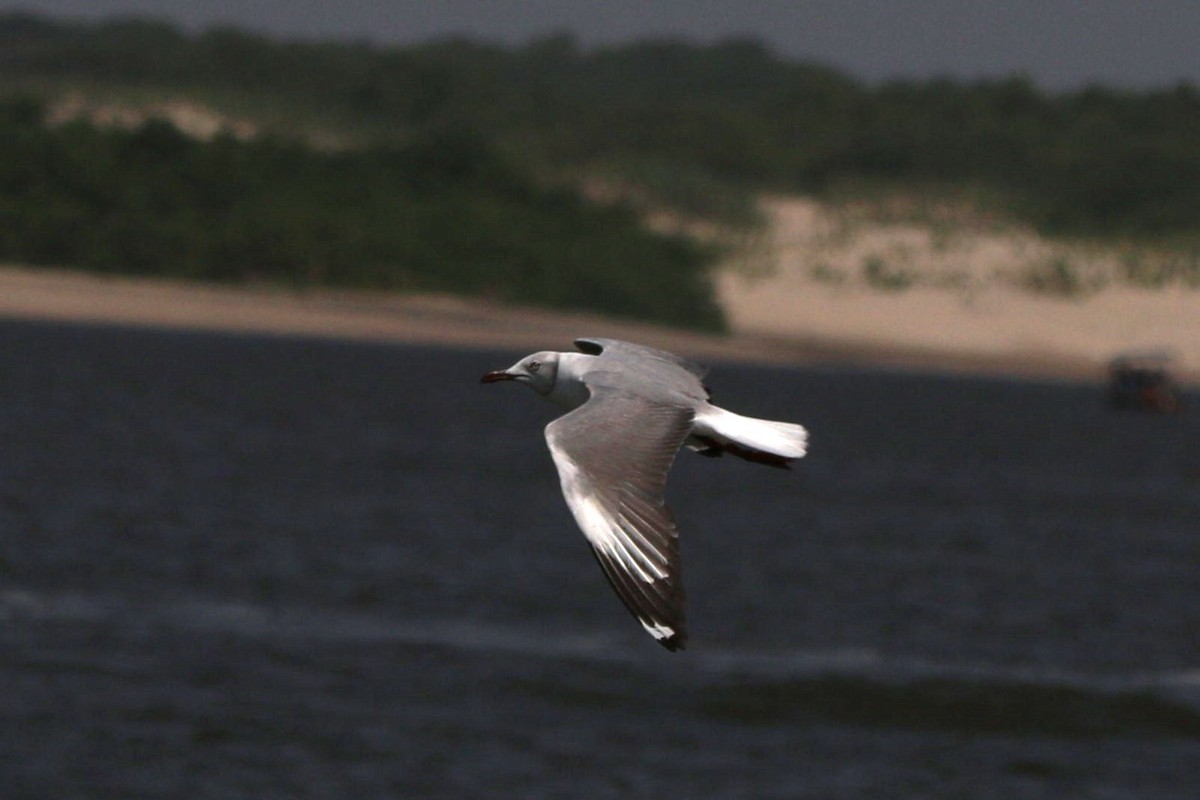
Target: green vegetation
x=438, y=214
x=1092, y=161
x=1055, y=276
x=447, y=153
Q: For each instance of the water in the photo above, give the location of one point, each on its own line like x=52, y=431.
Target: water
x=255, y=567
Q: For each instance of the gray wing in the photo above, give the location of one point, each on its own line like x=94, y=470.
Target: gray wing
x=596, y=345
x=613, y=454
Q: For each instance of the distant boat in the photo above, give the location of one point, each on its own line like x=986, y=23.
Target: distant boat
x=1143, y=382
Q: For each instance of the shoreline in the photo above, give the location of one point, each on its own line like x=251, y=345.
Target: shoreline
x=70, y=296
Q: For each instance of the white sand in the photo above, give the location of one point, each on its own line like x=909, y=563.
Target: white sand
x=965, y=302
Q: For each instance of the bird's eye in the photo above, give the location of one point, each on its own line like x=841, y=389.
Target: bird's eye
x=534, y=366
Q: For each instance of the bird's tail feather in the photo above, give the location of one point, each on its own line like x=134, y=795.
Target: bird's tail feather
x=717, y=431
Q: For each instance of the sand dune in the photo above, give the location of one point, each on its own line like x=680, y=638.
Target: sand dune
x=960, y=296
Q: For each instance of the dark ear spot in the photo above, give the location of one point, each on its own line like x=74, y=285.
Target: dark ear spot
x=589, y=347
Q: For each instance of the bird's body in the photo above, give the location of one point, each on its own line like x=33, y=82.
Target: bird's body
x=630, y=409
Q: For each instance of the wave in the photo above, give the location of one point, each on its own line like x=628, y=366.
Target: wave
x=965, y=705
x=316, y=626
x=850, y=687
x=863, y=688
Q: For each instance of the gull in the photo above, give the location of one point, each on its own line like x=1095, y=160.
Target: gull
x=630, y=409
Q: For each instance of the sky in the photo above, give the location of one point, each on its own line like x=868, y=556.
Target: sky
x=1060, y=44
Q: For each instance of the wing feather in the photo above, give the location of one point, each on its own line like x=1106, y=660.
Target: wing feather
x=613, y=454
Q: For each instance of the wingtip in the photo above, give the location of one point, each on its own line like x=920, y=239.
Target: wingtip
x=674, y=643
x=669, y=637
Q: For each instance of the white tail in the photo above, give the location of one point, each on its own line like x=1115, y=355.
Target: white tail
x=716, y=430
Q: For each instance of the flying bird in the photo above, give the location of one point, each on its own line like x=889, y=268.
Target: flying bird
x=630, y=409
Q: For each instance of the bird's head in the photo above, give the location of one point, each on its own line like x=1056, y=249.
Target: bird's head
x=537, y=371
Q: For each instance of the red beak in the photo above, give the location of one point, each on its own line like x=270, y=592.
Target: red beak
x=498, y=375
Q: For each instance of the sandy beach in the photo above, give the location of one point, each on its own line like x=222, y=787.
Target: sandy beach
x=780, y=309
x=917, y=331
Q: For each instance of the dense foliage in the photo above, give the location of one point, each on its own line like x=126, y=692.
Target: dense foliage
x=1092, y=161
x=442, y=213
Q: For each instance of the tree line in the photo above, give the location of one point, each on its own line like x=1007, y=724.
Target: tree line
x=1093, y=161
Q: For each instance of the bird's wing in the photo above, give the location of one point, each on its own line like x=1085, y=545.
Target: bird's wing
x=613, y=454
x=593, y=345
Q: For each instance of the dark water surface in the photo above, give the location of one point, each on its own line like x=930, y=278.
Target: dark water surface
x=283, y=568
